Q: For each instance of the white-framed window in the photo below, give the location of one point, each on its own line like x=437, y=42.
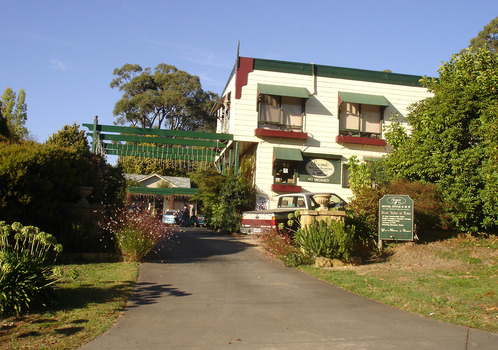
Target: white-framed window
x=361, y=120
x=281, y=112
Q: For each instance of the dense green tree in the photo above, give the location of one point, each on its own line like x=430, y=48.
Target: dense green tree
x=454, y=139
x=224, y=197
x=14, y=110
x=70, y=136
x=487, y=38
x=110, y=187
x=4, y=127
x=163, y=98
x=208, y=181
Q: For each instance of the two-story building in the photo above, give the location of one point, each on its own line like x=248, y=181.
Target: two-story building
x=302, y=122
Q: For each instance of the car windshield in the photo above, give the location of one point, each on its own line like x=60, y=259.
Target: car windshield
x=170, y=213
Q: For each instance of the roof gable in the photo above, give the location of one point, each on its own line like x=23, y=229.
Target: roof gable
x=153, y=179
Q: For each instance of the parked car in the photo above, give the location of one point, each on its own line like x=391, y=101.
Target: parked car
x=200, y=221
x=261, y=221
x=170, y=217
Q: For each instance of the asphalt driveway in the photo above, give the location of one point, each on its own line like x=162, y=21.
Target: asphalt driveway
x=211, y=291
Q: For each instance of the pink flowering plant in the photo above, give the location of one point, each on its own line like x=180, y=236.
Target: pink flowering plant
x=136, y=232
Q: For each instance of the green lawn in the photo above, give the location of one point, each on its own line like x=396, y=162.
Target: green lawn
x=454, y=280
x=88, y=303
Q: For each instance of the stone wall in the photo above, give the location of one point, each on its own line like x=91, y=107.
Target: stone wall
x=309, y=216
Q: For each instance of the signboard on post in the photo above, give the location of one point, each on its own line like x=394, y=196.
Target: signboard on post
x=395, y=218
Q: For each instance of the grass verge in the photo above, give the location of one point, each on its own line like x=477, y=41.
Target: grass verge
x=454, y=280
x=87, y=305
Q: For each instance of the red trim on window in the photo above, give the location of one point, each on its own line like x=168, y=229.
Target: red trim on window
x=244, y=67
x=280, y=134
x=285, y=188
x=360, y=140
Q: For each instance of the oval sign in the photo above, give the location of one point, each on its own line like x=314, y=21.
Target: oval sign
x=320, y=168
x=396, y=200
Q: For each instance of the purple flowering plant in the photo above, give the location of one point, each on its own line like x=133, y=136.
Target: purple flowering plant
x=136, y=231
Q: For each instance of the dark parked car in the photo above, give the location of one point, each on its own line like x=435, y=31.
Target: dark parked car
x=200, y=221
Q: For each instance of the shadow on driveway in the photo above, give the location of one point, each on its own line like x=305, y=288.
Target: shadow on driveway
x=185, y=247
x=147, y=293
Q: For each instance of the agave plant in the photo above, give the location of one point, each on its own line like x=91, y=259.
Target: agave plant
x=26, y=266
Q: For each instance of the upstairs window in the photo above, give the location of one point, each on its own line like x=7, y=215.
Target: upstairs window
x=281, y=108
x=284, y=112
x=361, y=115
x=361, y=120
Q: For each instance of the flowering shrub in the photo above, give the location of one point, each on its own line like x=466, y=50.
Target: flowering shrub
x=136, y=232
x=276, y=245
x=279, y=246
x=26, y=266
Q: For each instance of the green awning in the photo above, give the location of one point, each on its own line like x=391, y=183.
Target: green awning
x=363, y=99
x=323, y=156
x=287, y=154
x=289, y=91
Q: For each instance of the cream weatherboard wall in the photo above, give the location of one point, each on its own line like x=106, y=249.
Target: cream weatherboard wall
x=321, y=122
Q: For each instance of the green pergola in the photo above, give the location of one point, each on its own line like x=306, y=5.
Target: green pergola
x=158, y=143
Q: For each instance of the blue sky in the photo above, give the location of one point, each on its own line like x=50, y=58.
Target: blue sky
x=63, y=53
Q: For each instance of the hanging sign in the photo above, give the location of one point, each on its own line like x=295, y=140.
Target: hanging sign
x=322, y=170
x=396, y=218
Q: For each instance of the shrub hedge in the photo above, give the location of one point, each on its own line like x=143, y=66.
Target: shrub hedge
x=429, y=207
x=37, y=181
x=331, y=239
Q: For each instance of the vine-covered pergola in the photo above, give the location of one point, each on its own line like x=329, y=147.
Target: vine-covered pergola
x=174, y=145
